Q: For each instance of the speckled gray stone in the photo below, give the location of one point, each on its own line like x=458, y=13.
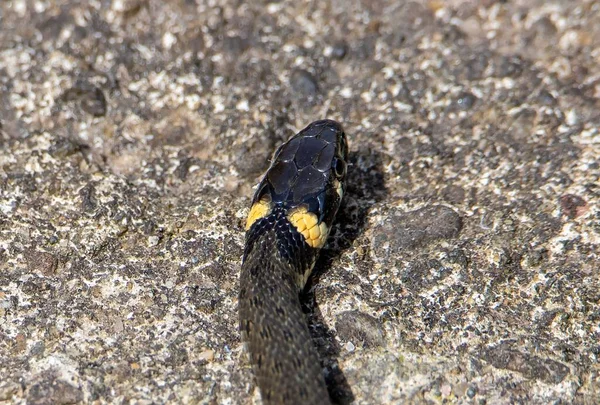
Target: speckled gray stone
x=359, y=329
x=413, y=229
x=132, y=133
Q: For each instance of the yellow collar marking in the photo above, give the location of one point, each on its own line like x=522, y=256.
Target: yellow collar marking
x=306, y=223
x=259, y=210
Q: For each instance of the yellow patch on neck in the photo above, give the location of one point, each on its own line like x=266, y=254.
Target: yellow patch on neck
x=259, y=210
x=307, y=224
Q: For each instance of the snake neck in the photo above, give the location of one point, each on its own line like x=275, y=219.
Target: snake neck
x=283, y=244
x=272, y=323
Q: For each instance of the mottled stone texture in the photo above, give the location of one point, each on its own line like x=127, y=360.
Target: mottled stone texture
x=464, y=265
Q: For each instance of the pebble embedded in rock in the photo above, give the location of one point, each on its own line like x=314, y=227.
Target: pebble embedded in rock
x=466, y=100
x=90, y=98
x=453, y=194
x=94, y=103
x=88, y=198
x=531, y=366
x=572, y=205
x=42, y=262
x=339, y=50
x=52, y=390
x=303, y=82
x=409, y=230
x=359, y=328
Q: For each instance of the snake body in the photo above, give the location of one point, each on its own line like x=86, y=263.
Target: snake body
x=292, y=212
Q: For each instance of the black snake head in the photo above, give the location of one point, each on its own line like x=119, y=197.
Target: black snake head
x=306, y=181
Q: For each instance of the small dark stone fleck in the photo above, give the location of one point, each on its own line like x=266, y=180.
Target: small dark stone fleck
x=544, y=29
x=537, y=257
x=509, y=67
x=404, y=149
x=184, y=167
x=471, y=392
x=53, y=391
x=37, y=348
x=458, y=256
x=546, y=98
x=475, y=67
x=90, y=98
x=88, y=198
x=427, y=149
x=339, y=50
x=65, y=147
x=465, y=100
x=149, y=227
x=572, y=205
x=303, y=82
x=423, y=273
x=251, y=158
x=235, y=45
x=546, y=319
x=24, y=180
x=94, y=103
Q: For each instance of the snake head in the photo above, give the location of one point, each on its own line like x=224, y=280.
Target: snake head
x=306, y=180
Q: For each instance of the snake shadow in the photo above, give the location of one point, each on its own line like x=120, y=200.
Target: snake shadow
x=364, y=187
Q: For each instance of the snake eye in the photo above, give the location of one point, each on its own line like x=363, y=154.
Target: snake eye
x=263, y=192
x=339, y=167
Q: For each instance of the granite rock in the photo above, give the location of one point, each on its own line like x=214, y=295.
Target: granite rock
x=132, y=133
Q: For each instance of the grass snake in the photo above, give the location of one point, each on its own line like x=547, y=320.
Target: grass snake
x=292, y=212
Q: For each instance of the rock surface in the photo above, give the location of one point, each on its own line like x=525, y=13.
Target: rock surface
x=464, y=265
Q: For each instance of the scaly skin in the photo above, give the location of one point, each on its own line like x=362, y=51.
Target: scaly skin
x=294, y=208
